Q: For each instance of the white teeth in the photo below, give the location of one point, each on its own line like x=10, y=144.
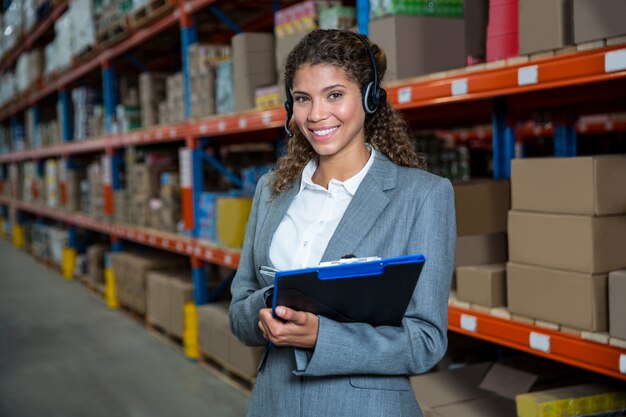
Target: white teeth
x=325, y=131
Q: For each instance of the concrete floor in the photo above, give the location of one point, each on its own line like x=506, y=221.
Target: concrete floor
x=63, y=353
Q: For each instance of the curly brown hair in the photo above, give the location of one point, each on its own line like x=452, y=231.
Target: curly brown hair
x=385, y=129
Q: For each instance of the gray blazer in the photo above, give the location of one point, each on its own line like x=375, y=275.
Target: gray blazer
x=355, y=369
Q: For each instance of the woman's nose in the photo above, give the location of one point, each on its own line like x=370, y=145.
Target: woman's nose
x=318, y=111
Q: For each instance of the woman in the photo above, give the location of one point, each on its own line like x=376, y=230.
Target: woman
x=351, y=183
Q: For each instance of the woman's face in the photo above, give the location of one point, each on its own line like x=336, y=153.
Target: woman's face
x=328, y=110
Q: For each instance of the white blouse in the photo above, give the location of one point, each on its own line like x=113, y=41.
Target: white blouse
x=302, y=236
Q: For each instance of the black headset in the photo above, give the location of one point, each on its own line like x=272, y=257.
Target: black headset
x=373, y=94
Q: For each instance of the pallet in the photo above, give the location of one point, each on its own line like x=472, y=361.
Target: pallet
x=227, y=373
x=136, y=316
x=162, y=332
x=151, y=11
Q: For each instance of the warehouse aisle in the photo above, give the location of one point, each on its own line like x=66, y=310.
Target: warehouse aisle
x=63, y=353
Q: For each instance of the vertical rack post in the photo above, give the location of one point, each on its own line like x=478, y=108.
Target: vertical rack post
x=66, y=124
x=107, y=181
x=503, y=140
x=565, y=141
x=36, y=139
x=363, y=16
x=109, y=94
x=188, y=36
x=70, y=252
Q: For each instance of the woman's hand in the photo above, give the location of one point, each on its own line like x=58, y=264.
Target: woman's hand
x=299, y=329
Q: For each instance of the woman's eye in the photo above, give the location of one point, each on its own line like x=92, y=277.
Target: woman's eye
x=300, y=99
x=335, y=96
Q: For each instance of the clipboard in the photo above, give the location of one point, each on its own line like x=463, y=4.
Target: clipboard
x=375, y=292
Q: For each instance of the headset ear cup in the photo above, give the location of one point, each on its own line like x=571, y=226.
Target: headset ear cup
x=369, y=104
x=289, y=110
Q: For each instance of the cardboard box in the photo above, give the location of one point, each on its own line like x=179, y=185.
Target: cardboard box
x=481, y=249
x=544, y=25
x=595, y=19
x=284, y=46
x=570, y=298
x=476, y=19
x=244, y=359
x=215, y=343
x=442, y=388
x=588, y=399
x=482, y=206
x=181, y=292
x=158, y=300
x=482, y=284
x=417, y=45
x=245, y=89
x=591, y=185
x=95, y=262
x=617, y=306
x=493, y=406
x=564, y=241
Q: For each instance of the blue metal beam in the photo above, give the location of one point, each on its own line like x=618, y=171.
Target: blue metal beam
x=363, y=16
x=565, y=143
x=116, y=167
x=135, y=62
x=200, y=285
x=503, y=140
x=36, y=139
x=225, y=19
x=110, y=97
x=215, y=163
x=66, y=114
x=189, y=36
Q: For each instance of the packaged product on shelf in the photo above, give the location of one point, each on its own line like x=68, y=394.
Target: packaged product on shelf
x=268, y=97
x=482, y=206
x=29, y=13
x=476, y=20
x=167, y=294
x=57, y=240
x=408, y=42
x=300, y=17
x=64, y=41
x=232, y=217
x=95, y=262
x=128, y=117
x=224, y=92
x=544, y=26
x=83, y=26
x=338, y=17
x=95, y=190
x=250, y=176
x=254, y=66
x=175, y=98
x=207, y=215
x=202, y=58
x=72, y=190
x=154, y=214
x=52, y=183
x=22, y=72
x=482, y=284
x=152, y=91
x=164, y=114
x=13, y=24
x=7, y=87
x=595, y=20
x=86, y=102
x=441, y=8
x=617, y=308
x=29, y=175
x=202, y=94
x=122, y=204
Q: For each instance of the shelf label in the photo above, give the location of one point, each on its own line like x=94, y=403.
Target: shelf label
x=615, y=61
x=189, y=249
x=469, y=323
x=540, y=342
x=152, y=240
x=159, y=134
x=208, y=254
x=185, y=168
x=221, y=126
x=267, y=118
x=204, y=128
x=173, y=133
x=405, y=95
x=459, y=87
x=179, y=246
x=528, y=75
x=622, y=363
x=243, y=123
x=107, y=171
x=228, y=259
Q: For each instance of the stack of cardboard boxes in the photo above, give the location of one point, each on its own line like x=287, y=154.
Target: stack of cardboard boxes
x=173, y=111
x=567, y=231
x=218, y=343
x=168, y=292
x=202, y=60
x=94, y=191
x=131, y=270
x=95, y=263
x=152, y=88
x=253, y=66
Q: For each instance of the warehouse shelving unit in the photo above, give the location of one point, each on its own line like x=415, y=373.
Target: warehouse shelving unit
x=499, y=94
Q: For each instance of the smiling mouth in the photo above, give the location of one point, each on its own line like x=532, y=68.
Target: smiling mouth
x=324, y=132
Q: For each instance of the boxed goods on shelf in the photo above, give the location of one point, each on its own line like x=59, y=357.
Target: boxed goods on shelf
x=417, y=45
x=232, y=217
x=617, y=307
x=224, y=88
x=594, y=20
x=202, y=58
x=253, y=66
x=175, y=98
x=88, y=116
x=94, y=192
x=7, y=87
x=300, y=17
x=482, y=284
x=503, y=30
x=571, y=242
x=167, y=294
x=57, y=241
x=442, y=8
x=269, y=97
x=122, y=206
x=217, y=341
x=30, y=14
x=152, y=91
x=207, y=215
x=337, y=17
x=481, y=249
x=29, y=68
x=83, y=26
x=13, y=24
x=577, y=400
x=591, y=185
x=64, y=41
x=573, y=299
x=476, y=18
x=52, y=183
x=544, y=25
x=481, y=206
x=95, y=262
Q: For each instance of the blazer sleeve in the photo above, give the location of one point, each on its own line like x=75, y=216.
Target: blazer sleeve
x=248, y=297
x=421, y=341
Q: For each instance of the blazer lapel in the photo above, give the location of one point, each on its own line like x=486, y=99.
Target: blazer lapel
x=275, y=212
x=368, y=203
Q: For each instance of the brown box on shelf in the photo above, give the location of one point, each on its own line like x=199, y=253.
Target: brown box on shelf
x=418, y=45
x=145, y=180
x=591, y=185
x=617, y=305
x=245, y=89
x=594, y=20
x=482, y=284
x=284, y=45
x=493, y=406
x=482, y=206
x=181, y=292
x=565, y=241
x=569, y=298
x=202, y=106
x=141, y=211
x=476, y=19
x=214, y=331
x=253, y=53
x=544, y=25
x=72, y=189
x=95, y=262
x=481, y=249
x=164, y=117
x=158, y=299
x=244, y=359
